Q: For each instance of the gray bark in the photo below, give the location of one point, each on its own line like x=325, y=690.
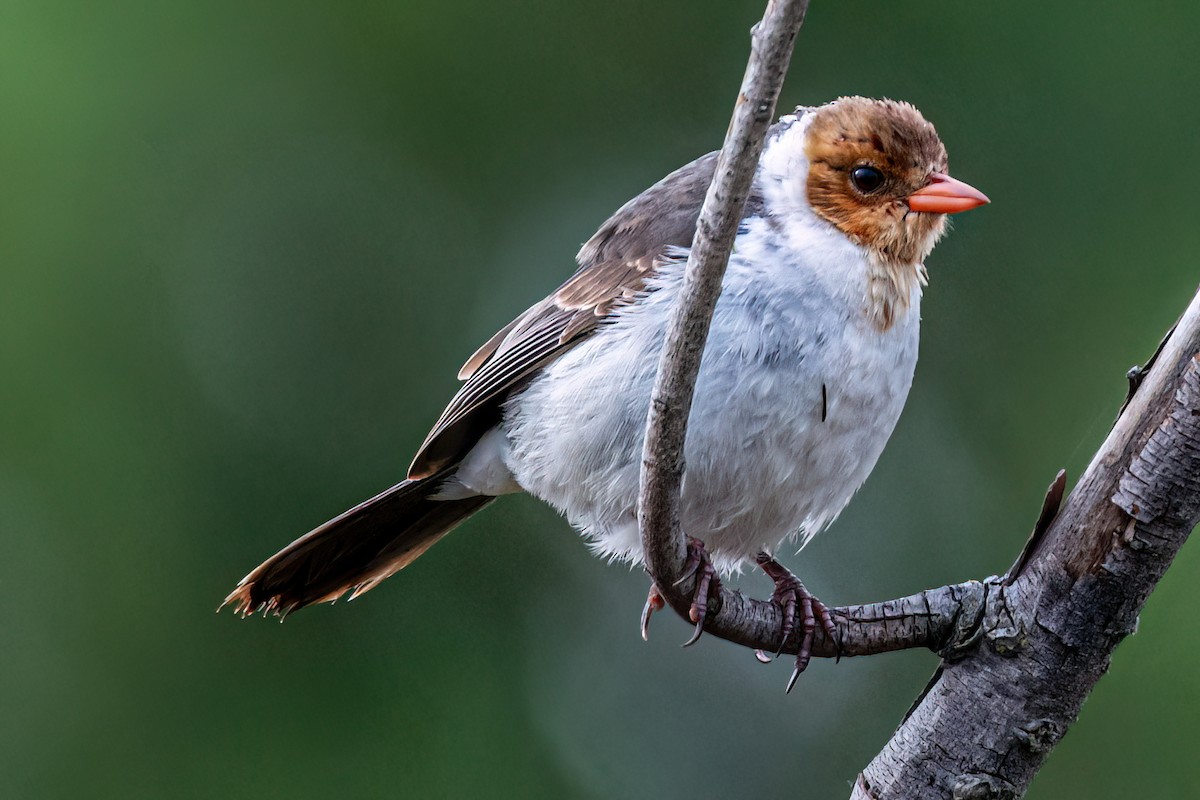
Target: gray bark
x=988, y=720
x=1020, y=653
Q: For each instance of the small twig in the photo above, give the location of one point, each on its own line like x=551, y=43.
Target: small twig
x=1050, y=506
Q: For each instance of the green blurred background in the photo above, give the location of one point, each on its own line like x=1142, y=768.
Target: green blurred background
x=244, y=247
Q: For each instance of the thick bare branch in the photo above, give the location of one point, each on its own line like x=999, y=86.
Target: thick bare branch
x=987, y=722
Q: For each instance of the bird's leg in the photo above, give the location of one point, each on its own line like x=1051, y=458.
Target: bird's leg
x=708, y=586
x=796, y=601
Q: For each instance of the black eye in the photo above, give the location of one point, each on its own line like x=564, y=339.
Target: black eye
x=866, y=179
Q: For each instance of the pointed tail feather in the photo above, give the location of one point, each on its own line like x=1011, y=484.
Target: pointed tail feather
x=355, y=550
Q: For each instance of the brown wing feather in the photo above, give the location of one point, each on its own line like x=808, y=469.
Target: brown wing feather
x=664, y=214
x=485, y=350
x=615, y=265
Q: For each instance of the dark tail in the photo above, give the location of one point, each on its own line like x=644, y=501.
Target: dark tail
x=353, y=551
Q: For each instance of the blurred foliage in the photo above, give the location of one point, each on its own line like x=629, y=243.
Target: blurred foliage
x=243, y=248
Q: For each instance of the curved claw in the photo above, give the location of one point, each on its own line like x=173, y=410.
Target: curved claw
x=788, y=604
x=791, y=596
x=707, y=585
x=809, y=626
x=792, y=680
x=699, y=567
x=654, y=602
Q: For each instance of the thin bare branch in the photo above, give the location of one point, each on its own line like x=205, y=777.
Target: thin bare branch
x=662, y=457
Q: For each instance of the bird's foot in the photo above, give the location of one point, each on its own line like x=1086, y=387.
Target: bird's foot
x=708, y=586
x=797, y=604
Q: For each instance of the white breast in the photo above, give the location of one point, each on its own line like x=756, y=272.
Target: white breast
x=761, y=463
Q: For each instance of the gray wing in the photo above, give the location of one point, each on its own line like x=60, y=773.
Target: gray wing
x=614, y=266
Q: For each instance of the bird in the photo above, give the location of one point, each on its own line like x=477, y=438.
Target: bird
x=809, y=360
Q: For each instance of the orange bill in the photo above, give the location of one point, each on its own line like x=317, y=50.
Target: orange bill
x=945, y=195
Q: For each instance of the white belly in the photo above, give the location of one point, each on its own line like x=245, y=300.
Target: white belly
x=761, y=464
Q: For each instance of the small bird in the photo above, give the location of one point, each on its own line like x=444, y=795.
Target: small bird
x=809, y=360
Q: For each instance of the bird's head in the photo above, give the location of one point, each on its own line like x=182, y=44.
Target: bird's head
x=878, y=172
